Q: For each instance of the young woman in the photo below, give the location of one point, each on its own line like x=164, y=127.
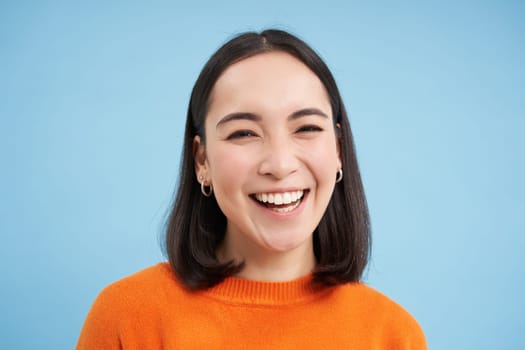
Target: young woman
x=269, y=233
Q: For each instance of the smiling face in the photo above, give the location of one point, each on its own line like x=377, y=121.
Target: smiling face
x=270, y=152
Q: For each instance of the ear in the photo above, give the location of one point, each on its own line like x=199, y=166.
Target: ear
x=338, y=140
x=199, y=156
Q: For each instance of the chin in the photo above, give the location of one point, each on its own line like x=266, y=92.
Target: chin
x=286, y=245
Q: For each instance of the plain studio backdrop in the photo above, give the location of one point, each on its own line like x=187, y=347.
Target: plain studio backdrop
x=93, y=101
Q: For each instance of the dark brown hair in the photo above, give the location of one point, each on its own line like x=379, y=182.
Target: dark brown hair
x=196, y=225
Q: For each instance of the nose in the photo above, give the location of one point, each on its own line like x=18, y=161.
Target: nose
x=279, y=158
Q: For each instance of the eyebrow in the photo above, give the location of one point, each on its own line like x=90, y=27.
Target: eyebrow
x=306, y=112
x=254, y=117
x=238, y=116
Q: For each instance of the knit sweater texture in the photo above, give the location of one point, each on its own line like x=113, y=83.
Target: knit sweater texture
x=152, y=310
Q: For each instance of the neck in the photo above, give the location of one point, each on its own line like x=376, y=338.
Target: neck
x=261, y=264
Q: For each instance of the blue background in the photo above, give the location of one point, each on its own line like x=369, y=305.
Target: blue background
x=93, y=100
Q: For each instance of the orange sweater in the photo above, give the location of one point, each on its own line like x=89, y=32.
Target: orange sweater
x=151, y=310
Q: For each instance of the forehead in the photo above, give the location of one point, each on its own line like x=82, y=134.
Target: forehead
x=273, y=81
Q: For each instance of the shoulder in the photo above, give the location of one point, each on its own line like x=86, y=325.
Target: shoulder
x=128, y=306
x=150, y=283
x=130, y=295
x=379, y=313
x=149, y=278
x=372, y=300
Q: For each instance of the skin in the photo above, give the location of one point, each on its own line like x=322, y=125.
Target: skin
x=269, y=129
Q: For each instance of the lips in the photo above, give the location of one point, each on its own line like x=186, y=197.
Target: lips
x=281, y=202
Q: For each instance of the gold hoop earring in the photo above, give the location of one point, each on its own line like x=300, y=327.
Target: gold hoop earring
x=339, y=175
x=203, y=187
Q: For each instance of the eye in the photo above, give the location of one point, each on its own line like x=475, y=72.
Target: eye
x=239, y=134
x=309, y=128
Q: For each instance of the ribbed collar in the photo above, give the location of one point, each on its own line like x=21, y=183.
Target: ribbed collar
x=242, y=291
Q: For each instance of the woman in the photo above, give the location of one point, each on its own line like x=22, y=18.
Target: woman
x=269, y=233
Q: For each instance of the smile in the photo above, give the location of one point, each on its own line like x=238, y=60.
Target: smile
x=282, y=202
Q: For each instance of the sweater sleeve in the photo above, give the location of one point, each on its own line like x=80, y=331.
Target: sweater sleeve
x=410, y=337
x=100, y=330
x=404, y=332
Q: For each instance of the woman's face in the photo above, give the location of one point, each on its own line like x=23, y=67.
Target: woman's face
x=271, y=152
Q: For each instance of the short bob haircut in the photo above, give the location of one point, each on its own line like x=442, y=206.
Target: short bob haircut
x=196, y=225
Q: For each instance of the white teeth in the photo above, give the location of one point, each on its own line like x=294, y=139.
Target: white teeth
x=287, y=209
x=279, y=198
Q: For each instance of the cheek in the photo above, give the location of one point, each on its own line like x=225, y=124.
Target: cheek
x=324, y=158
x=228, y=167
